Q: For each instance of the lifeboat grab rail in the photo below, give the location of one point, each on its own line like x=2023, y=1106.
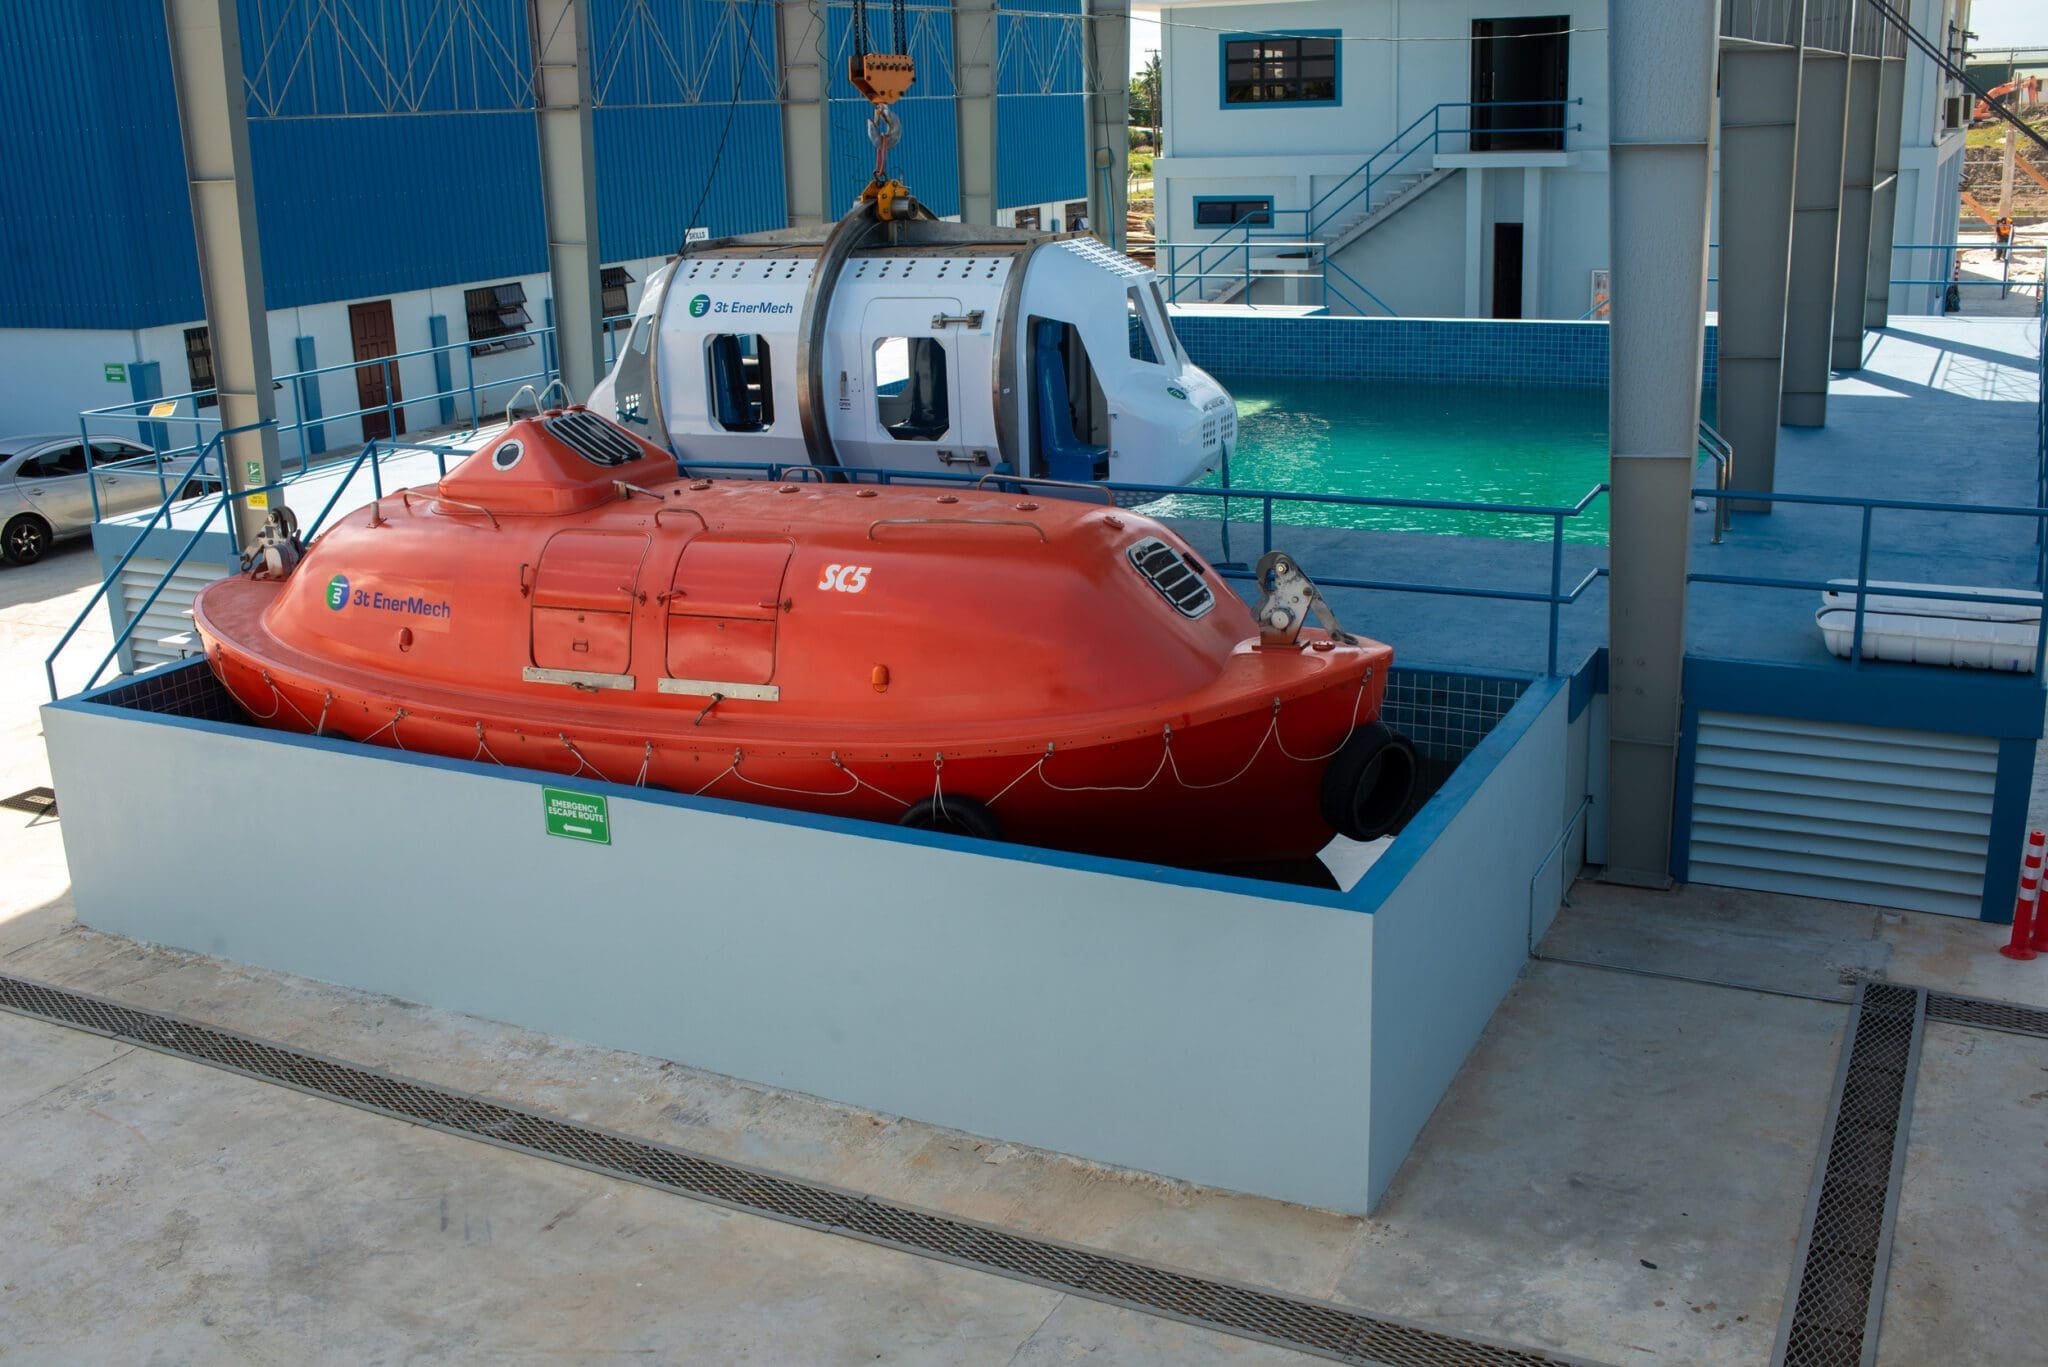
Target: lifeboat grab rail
x=1557, y=596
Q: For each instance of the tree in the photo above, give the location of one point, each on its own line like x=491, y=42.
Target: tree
x=1145, y=94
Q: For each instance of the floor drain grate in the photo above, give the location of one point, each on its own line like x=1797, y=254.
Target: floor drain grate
x=1987, y=1015
x=1836, y=1299
x=1312, y=1326
x=34, y=801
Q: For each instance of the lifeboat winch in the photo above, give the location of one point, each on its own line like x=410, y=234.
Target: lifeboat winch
x=1053, y=671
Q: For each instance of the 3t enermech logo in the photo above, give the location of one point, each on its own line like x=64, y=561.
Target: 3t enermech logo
x=337, y=592
x=700, y=305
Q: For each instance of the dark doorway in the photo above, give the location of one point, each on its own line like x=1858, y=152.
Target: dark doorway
x=371, y=329
x=1507, y=270
x=1519, y=83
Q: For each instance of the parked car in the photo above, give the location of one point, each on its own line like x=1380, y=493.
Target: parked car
x=44, y=494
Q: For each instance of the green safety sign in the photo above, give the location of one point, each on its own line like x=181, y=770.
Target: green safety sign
x=116, y=373
x=577, y=816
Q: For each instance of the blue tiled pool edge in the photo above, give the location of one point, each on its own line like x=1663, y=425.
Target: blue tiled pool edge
x=1435, y=350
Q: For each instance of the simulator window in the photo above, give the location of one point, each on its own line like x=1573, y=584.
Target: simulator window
x=742, y=385
x=910, y=388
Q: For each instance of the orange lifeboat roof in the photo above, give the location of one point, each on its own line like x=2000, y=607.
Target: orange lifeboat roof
x=563, y=461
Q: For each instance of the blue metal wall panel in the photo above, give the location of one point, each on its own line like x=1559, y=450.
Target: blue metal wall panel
x=672, y=82
x=355, y=207
x=928, y=158
x=97, y=232
x=1041, y=111
x=394, y=147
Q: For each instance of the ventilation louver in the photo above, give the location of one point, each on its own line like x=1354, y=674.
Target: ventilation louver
x=1177, y=581
x=594, y=439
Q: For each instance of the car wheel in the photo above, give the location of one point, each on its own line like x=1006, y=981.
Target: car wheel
x=23, y=540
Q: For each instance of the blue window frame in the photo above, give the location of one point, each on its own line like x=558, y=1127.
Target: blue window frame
x=1228, y=211
x=1263, y=70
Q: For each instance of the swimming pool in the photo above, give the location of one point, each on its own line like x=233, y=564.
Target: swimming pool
x=1465, y=443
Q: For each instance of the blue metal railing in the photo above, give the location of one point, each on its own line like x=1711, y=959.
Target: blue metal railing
x=211, y=465
x=1948, y=252
x=1868, y=507
x=1244, y=237
x=1267, y=500
x=143, y=420
x=217, y=451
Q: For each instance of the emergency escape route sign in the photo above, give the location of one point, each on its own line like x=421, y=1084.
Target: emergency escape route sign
x=577, y=816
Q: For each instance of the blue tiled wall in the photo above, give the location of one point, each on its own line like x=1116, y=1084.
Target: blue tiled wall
x=1538, y=355
x=1444, y=713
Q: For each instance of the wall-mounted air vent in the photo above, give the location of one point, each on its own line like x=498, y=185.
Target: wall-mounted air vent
x=594, y=439
x=1179, y=582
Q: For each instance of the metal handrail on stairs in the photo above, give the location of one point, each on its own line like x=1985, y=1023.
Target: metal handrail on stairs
x=1321, y=213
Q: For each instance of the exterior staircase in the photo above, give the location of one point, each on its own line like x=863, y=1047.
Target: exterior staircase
x=1393, y=194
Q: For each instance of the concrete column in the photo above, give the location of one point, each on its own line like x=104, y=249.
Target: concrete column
x=1884, y=197
x=1106, y=36
x=1475, y=245
x=568, y=181
x=206, y=66
x=1660, y=70
x=806, y=117
x=1816, y=232
x=1532, y=242
x=974, y=103
x=1759, y=146
x=1859, y=161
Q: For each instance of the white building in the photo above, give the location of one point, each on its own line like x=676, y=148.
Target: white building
x=1364, y=126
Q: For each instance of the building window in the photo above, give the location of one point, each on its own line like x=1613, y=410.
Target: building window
x=1228, y=213
x=1027, y=218
x=1077, y=215
x=199, y=365
x=615, y=306
x=1298, y=68
x=742, y=385
x=497, y=318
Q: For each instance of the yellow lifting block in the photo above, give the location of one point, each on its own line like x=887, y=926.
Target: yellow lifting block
x=882, y=76
x=888, y=196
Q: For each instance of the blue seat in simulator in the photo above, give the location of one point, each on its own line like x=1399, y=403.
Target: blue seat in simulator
x=1066, y=455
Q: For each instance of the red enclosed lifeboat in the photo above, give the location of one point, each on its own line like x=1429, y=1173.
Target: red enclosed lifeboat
x=1049, y=671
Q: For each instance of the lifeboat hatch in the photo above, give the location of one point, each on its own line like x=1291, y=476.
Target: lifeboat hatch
x=724, y=606
x=583, y=596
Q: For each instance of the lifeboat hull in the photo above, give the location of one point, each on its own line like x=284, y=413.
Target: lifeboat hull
x=885, y=655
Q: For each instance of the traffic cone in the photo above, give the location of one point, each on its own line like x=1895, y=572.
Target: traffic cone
x=2024, y=931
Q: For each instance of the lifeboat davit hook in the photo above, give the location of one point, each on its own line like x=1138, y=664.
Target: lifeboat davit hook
x=276, y=546
x=1286, y=598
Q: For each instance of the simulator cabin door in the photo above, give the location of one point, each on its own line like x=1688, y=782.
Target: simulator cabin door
x=911, y=408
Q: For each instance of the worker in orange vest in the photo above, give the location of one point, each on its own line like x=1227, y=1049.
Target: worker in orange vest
x=2003, y=231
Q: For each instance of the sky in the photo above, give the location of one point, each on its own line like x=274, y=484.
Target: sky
x=1999, y=23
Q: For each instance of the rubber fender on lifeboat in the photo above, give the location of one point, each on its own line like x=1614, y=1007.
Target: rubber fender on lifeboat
x=1368, y=782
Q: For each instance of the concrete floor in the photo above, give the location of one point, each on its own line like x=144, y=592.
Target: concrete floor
x=1618, y=1172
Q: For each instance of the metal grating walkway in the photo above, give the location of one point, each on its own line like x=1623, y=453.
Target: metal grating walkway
x=1291, y=1322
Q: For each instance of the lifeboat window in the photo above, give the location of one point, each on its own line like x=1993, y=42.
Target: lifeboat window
x=910, y=388
x=1069, y=415
x=742, y=382
x=1177, y=577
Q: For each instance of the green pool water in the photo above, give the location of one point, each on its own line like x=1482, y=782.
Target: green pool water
x=1456, y=442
